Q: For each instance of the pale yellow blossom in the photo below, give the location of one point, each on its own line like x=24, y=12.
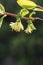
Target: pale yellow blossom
x=30, y=28
x=17, y=26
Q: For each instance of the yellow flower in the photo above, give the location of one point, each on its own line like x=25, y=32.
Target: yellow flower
x=30, y=28
x=17, y=26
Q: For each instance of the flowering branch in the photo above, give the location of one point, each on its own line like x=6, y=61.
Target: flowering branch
x=17, y=26
x=25, y=18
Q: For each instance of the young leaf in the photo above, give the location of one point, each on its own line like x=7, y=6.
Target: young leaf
x=23, y=12
x=1, y=20
x=2, y=9
x=27, y=4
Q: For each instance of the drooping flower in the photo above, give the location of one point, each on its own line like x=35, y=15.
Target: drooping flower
x=30, y=27
x=17, y=26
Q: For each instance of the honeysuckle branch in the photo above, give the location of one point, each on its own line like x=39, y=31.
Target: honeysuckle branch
x=25, y=18
x=17, y=25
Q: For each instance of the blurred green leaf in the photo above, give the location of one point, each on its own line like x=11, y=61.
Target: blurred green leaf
x=2, y=9
x=23, y=12
x=1, y=20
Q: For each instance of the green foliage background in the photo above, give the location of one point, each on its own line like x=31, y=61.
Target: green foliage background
x=20, y=48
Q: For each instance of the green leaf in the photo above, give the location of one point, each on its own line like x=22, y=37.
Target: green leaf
x=31, y=14
x=27, y=4
x=2, y=9
x=24, y=12
x=1, y=20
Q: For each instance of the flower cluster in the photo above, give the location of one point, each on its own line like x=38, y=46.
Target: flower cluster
x=17, y=26
x=30, y=27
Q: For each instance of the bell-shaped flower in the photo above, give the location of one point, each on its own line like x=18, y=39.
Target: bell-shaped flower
x=30, y=28
x=17, y=26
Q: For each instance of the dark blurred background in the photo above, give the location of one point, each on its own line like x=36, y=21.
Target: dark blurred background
x=20, y=48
